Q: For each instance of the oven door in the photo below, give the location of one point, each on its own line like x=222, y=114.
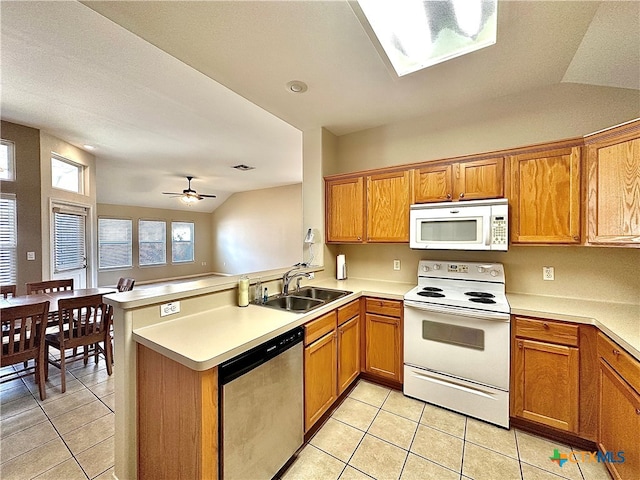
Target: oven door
x=467, y=344
x=455, y=228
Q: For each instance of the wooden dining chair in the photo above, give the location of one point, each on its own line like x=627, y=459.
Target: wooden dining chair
x=125, y=284
x=49, y=286
x=82, y=322
x=23, y=329
x=7, y=290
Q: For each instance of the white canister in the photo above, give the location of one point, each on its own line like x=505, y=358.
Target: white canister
x=243, y=291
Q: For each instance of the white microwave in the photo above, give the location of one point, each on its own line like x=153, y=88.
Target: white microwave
x=472, y=225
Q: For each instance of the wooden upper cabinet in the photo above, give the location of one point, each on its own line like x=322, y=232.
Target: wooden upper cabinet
x=471, y=180
x=388, y=201
x=345, y=210
x=432, y=183
x=479, y=179
x=613, y=187
x=545, y=196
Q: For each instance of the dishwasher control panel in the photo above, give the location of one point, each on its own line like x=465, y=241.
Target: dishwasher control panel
x=256, y=356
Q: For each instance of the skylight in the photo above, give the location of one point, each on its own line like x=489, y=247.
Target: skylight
x=416, y=34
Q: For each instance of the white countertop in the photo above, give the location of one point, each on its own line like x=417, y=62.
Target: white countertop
x=620, y=321
x=206, y=339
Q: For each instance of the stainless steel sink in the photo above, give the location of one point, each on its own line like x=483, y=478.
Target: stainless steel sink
x=325, y=294
x=305, y=299
x=293, y=303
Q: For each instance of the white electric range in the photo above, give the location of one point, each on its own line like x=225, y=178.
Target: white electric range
x=457, y=337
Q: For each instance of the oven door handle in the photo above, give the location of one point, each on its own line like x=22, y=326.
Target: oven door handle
x=463, y=312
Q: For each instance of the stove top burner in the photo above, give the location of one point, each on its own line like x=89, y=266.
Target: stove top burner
x=482, y=300
x=430, y=294
x=480, y=294
x=432, y=289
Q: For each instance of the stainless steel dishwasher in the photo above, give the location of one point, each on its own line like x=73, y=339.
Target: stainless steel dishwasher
x=261, y=408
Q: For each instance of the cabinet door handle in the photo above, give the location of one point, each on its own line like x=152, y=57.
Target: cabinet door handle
x=359, y=238
x=519, y=344
x=637, y=411
x=461, y=195
x=546, y=326
x=616, y=352
x=576, y=238
x=449, y=196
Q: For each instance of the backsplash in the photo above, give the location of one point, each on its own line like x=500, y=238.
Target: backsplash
x=594, y=273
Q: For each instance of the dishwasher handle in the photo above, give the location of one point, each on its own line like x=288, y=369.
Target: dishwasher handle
x=247, y=361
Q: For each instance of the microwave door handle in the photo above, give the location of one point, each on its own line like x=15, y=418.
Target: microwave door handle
x=487, y=240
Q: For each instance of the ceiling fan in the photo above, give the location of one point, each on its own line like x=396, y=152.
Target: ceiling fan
x=188, y=195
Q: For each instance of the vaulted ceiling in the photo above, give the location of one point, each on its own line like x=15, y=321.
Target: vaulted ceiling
x=169, y=89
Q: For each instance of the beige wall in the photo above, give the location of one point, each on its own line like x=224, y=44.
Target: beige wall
x=26, y=187
x=580, y=272
x=203, y=244
x=48, y=145
x=258, y=230
x=554, y=113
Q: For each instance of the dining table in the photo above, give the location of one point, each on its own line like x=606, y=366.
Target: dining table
x=53, y=298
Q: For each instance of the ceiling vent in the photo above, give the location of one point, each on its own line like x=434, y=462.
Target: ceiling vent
x=243, y=167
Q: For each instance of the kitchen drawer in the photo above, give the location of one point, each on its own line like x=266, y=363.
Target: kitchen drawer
x=349, y=311
x=547, y=331
x=319, y=327
x=623, y=363
x=391, y=308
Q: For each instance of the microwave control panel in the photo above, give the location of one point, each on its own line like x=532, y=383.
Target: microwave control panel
x=499, y=230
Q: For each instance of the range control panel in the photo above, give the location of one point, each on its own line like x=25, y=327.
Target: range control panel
x=489, y=272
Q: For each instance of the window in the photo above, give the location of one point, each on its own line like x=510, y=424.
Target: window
x=66, y=175
x=7, y=160
x=68, y=240
x=182, y=242
x=114, y=243
x=417, y=34
x=152, y=242
x=8, y=239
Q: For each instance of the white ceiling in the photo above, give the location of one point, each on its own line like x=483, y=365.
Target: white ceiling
x=157, y=112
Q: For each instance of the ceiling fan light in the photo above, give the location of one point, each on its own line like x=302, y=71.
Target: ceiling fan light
x=189, y=198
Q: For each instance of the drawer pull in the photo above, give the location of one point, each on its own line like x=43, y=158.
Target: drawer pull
x=616, y=352
x=546, y=326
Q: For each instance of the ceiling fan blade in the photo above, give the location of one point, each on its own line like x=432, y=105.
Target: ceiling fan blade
x=205, y=195
x=171, y=193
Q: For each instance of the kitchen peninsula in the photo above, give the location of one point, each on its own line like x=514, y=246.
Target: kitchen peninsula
x=210, y=329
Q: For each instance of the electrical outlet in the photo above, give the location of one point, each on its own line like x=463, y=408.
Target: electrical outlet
x=169, y=308
x=548, y=273
x=396, y=264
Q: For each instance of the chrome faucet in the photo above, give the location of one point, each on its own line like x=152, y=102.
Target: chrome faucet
x=289, y=275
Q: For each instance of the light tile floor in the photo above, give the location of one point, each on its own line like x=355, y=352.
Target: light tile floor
x=375, y=433
x=65, y=437
x=379, y=433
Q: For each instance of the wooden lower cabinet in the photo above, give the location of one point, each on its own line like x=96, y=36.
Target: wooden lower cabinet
x=619, y=405
x=546, y=384
x=348, y=353
x=383, y=339
x=320, y=367
x=177, y=419
x=546, y=373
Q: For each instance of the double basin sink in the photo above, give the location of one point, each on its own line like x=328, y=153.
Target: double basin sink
x=305, y=299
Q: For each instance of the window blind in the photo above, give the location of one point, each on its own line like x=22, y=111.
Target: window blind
x=114, y=243
x=152, y=242
x=69, y=241
x=8, y=239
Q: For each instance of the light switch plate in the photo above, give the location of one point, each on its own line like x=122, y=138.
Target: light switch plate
x=396, y=264
x=169, y=308
x=31, y=255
